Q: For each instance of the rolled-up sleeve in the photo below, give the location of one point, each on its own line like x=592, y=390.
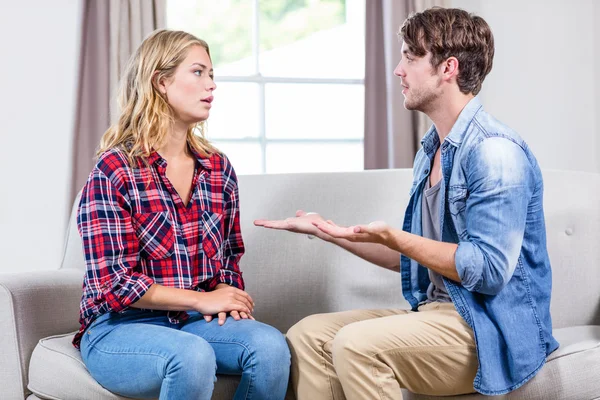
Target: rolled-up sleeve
x=110, y=245
x=501, y=181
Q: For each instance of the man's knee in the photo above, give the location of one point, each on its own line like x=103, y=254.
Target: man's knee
x=349, y=346
x=304, y=332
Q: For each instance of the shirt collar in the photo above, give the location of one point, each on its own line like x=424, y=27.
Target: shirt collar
x=205, y=162
x=154, y=157
x=457, y=133
x=431, y=140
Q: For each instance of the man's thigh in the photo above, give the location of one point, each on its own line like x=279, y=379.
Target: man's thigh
x=324, y=327
x=431, y=351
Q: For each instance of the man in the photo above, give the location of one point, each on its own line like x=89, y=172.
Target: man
x=472, y=252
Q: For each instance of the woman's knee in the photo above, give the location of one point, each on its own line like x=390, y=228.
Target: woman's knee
x=194, y=360
x=269, y=347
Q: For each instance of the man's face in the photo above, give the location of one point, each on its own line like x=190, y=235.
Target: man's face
x=420, y=81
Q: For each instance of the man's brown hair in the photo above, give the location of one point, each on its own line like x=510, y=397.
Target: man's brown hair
x=452, y=32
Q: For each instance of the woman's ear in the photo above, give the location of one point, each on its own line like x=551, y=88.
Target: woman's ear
x=159, y=83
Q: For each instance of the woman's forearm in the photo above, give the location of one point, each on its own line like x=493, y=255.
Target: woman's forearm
x=160, y=297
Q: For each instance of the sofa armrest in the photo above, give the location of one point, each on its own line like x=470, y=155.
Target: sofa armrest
x=33, y=305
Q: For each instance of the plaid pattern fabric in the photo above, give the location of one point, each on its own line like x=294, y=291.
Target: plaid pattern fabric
x=137, y=231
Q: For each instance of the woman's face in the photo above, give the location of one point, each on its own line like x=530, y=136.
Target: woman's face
x=190, y=90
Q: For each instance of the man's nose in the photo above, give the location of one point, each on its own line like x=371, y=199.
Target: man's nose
x=398, y=71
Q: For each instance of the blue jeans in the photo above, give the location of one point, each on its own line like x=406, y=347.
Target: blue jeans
x=140, y=354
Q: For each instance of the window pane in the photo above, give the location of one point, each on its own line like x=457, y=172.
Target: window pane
x=226, y=26
x=317, y=157
x=309, y=111
x=317, y=38
x=235, y=111
x=245, y=157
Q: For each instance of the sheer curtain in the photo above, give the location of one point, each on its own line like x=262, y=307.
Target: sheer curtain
x=111, y=31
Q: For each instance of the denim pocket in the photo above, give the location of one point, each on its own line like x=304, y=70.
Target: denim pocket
x=97, y=329
x=212, y=234
x=155, y=234
x=457, y=199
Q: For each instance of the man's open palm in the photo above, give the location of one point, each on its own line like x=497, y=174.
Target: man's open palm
x=303, y=222
x=375, y=232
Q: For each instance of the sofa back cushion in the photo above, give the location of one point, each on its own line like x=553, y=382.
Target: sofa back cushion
x=572, y=209
x=290, y=276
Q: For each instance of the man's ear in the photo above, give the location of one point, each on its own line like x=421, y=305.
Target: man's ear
x=449, y=68
x=159, y=83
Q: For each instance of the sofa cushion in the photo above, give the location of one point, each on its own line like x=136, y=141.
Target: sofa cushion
x=56, y=371
x=570, y=373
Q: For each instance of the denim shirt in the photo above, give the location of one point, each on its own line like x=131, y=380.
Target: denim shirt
x=491, y=206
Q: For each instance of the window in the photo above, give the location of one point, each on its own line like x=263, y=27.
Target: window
x=290, y=81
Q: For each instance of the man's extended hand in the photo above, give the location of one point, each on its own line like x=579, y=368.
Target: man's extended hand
x=375, y=232
x=303, y=222
x=222, y=316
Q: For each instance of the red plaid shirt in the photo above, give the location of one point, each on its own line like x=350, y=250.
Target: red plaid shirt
x=136, y=231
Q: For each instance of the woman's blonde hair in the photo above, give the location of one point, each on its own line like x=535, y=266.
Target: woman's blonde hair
x=145, y=116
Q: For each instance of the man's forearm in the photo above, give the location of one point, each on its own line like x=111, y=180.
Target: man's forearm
x=374, y=253
x=438, y=256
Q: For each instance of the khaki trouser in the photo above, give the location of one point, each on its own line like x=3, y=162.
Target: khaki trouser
x=371, y=354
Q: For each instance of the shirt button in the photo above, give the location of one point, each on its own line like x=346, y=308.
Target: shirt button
x=569, y=231
x=426, y=172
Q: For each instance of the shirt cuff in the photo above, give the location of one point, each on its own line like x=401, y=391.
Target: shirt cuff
x=132, y=289
x=229, y=274
x=468, y=260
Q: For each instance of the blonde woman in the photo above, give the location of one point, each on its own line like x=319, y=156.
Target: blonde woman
x=159, y=219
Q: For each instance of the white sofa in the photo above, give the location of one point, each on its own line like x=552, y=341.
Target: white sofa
x=291, y=277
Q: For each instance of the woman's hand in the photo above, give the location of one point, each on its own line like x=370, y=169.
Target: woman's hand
x=240, y=303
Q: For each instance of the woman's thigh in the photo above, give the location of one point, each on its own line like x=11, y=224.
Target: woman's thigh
x=238, y=344
x=133, y=359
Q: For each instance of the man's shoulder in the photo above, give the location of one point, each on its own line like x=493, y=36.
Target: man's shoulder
x=487, y=126
x=488, y=134
x=495, y=150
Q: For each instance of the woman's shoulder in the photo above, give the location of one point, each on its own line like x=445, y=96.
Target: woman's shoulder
x=113, y=163
x=222, y=172
x=221, y=163
x=219, y=160
x=113, y=158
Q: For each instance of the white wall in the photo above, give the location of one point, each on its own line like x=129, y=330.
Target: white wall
x=544, y=82
x=597, y=68
x=39, y=45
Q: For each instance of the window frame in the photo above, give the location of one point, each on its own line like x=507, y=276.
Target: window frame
x=261, y=80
